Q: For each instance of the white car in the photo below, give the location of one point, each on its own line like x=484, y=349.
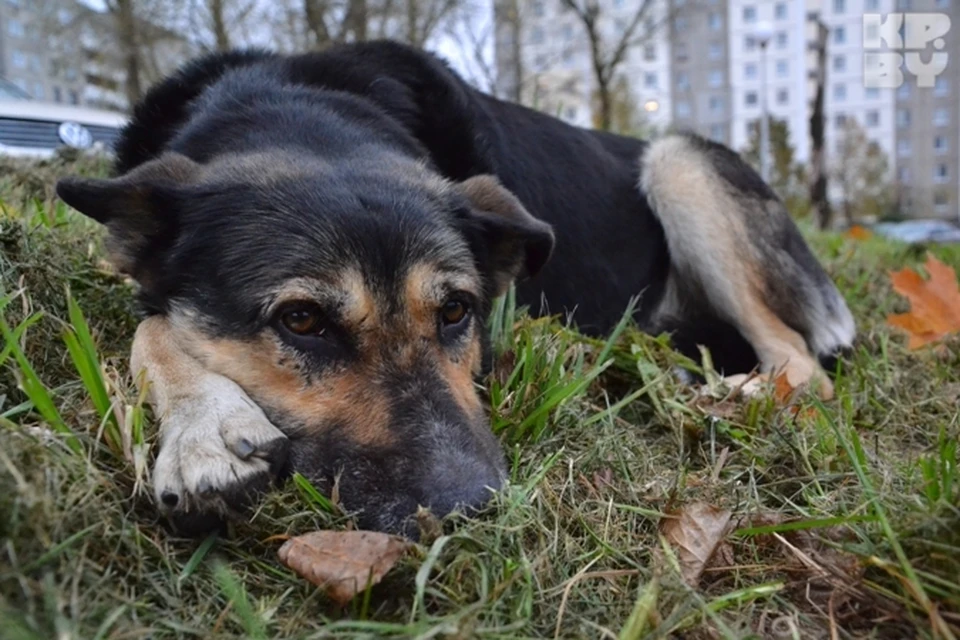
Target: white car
x=33, y=129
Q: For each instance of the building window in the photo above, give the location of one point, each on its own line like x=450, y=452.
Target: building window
x=840, y=92
x=903, y=148
x=15, y=28
x=839, y=6
x=538, y=9
x=903, y=92
x=683, y=81
x=718, y=132
x=650, y=80
x=540, y=62
x=680, y=24
x=716, y=78
x=941, y=87
x=750, y=98
x=941, y=117
x=871, y=93
x=780, y=11
x=683, y=109
x=782, y=40
x=903, y=118
x=749, y=43
x=840, y=120
x=871, y=5
x=716, y=50
x=783, y=96
x=536, y=36
x=681, y=51
x=905, y=5
x=39, y=91
x=716, y=105
x=873, y=118
x=750, y=70
x=941, y=173
x=839, y=63
x=941, y=144
x=74, y=97
x=749, y=14
x=57, y=94
x=783, y=69
x=650, y=52
x=715, y=21
x=19, y=59
x=943, y=4
x=839, y=34
x=903, y=175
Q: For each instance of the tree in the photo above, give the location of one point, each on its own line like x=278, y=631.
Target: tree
x=860, y=173
x=786, y=176
x=607, y=57
x=818, y=166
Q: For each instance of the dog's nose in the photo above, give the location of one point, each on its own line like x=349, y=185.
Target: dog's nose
x=461, y=483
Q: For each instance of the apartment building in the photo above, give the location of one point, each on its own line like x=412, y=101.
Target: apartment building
x=64, y=51
x=705, y=72
x=43, y=69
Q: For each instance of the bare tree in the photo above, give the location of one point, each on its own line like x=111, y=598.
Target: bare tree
x=860, y=173
x=607, y=57
x=818, y=164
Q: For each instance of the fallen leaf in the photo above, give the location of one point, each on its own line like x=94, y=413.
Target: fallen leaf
x=859, y=232
x=934, y=303
x=695, y=532
x=343, y=563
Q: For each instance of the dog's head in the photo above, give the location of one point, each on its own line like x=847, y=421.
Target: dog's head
x=347, y=299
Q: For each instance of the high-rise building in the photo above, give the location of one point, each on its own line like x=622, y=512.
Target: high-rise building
x=700, y=66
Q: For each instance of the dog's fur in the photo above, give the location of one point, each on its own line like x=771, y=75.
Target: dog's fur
x=372, y=184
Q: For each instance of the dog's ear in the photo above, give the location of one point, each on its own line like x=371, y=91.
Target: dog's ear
x=139, y=208
x=513, y=244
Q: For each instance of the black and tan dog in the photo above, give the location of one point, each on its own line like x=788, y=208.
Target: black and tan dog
x=318, y=239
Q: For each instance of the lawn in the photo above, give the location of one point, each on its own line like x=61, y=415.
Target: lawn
x=843, y=516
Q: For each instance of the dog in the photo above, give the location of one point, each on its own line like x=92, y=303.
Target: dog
x=318, y=238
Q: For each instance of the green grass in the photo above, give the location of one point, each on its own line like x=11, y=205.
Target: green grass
x=846, y=513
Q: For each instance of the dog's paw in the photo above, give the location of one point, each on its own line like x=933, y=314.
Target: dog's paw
x=218, y=452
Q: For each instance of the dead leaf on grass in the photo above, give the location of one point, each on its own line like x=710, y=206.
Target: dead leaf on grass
x=859, y=232
x=934, y=303
x=695, y=531
x=343, y=563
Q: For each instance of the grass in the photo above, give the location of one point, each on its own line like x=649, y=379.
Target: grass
x=846, y=517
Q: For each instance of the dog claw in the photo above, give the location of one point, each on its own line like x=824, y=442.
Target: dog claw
x=244, y=449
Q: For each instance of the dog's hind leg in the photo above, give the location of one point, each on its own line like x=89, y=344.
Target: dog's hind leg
x=217, y=447
x=737, y=256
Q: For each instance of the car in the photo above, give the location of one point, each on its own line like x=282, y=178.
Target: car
x=919, y=231
x=34, y=129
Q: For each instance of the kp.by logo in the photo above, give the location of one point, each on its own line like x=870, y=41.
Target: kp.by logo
x=909, y=35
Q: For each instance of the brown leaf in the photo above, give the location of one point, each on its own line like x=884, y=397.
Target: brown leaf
x=695, y=531
x=343, y=563
x=859, y=232
x=934, y=303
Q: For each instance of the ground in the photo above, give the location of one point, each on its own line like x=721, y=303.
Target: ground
x=844, y=518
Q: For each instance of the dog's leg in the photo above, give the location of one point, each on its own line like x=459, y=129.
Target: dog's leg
x=735, y=251
x=217, y=447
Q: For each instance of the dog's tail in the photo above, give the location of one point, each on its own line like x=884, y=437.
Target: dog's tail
x=736, y=255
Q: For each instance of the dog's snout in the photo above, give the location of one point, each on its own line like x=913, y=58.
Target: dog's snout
x=461, y=483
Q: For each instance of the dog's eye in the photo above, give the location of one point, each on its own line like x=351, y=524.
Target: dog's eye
x=453, y=312
x=303, y=321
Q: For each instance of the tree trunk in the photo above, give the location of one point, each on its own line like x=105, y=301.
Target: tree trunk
x=129, y=49
x=606, y=104
x=358, y=18
x=314, y=13
x=818, y=164
x=219, y=25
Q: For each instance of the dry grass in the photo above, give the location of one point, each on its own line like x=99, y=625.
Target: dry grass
x=845, y=515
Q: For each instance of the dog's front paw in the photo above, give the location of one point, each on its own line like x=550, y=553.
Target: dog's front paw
x=218, y=452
